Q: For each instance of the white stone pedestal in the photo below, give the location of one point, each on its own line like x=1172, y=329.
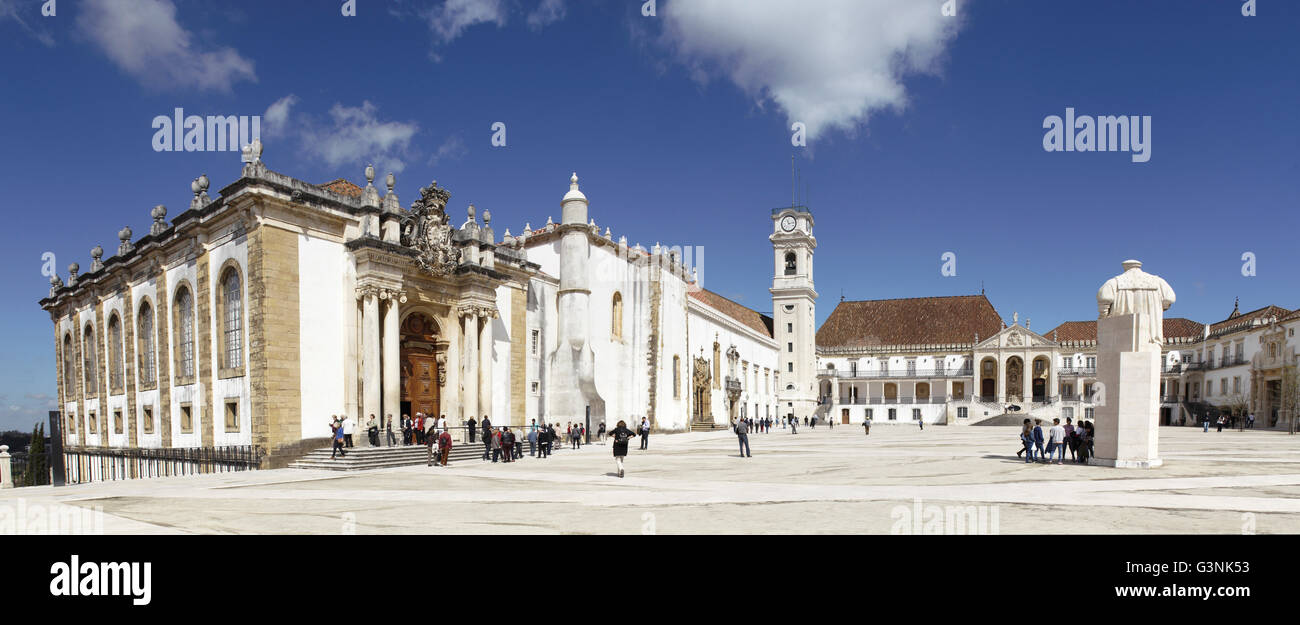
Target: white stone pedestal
x=1127, y=416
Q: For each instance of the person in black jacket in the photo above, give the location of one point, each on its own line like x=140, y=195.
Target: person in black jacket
x=621, y=436
x=471, y=425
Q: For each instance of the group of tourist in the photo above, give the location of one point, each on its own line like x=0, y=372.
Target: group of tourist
x=1040, y=447
x=1227, y=421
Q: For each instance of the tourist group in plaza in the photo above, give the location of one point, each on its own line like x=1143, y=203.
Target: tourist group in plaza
x=1038, y=446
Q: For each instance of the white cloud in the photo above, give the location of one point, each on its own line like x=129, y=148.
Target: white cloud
x=348, y=135
x=826, y=63
x=546, y=13
x=449, y=19
x=143, y=38
x=9, y=11
x=451, y=149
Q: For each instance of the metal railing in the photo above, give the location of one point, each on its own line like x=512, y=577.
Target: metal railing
x=93, y=464
x=909, y=372
x=1070, y=371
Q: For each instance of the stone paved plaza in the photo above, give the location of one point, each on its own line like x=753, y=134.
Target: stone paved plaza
x=819, y=481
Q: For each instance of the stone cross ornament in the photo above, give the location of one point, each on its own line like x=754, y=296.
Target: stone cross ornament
x=1143, y=295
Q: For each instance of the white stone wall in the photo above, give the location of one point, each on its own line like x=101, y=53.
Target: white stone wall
x=323, y=303
x=230, y=388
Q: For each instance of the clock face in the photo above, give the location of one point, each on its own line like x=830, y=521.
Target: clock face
x=787, y=224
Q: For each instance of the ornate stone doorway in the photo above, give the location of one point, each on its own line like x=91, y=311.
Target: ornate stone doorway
x=424, y=362
x=1015, y=379
x=701, y=381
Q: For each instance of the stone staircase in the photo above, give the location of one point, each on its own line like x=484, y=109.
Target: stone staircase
x=708, y=427
x=369, y=458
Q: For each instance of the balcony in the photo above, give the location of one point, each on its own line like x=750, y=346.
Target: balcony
x=909, y=372
x=898, y=401
x=1067, y=372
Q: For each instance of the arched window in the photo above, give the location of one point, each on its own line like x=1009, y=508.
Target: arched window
x=147, y=370
x=677, y=379
x=114, y=352
x=791, y=265
x=616, y=317
x=89, y=365
x=183, y=305
x=232, y=320
x=69, y=370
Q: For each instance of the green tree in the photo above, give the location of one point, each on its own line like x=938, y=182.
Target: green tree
x=38, y=473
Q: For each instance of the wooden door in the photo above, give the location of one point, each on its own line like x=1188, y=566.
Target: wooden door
x=421, y=388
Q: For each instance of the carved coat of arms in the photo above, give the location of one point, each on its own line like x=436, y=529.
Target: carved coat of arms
x=426, y=229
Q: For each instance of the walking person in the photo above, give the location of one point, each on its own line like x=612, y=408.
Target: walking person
x=532, y=440
x=429, y=441
x=496, y=445
x=388, y=425
x=794, y=425
x=866, y=425
x=1220, y=422
x=337, y=426
x=645, y=433
x=921, y=422
x=742, y=435
x=1039, y=440
x=600, y=433
x=621, y=436
x=444, y=446
x=1026, y=441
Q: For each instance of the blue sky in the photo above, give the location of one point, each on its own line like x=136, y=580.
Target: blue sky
x=925, y=135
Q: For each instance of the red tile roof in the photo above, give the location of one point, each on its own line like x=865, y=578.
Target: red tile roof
x=1240, y=321
x=913, y=321
x=755, y=321
x=1174, y=327
x=342, y=186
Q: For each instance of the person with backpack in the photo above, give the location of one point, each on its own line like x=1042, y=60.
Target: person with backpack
x=444, y=446
x=1026, y=441
x=337, y=426
x=621, y=436
x=508, y=444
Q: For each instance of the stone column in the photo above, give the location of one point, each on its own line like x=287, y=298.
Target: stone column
x=1027, y=380
x=6, y=468
x=1001, y=376
x=469, y=384
x=370, y=355
x=485, y=370
x=391, y=366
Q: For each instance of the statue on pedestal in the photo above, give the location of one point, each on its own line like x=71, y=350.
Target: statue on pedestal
x=1138, y=293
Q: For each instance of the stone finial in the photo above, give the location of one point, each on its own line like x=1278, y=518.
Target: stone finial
x=96, y=253
x=125, y=247
x=252, y=157
x=469, y=212
x=487, y=217
x=159, y=214
x=391, y=181
x=200, y=188
x=609, y=236
x=56, y=283
x=370, y=175
x=72, y=274
x=528, y=229
x=573, y=182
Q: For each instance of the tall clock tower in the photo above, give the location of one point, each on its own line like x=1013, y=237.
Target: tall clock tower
x=794, y=310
